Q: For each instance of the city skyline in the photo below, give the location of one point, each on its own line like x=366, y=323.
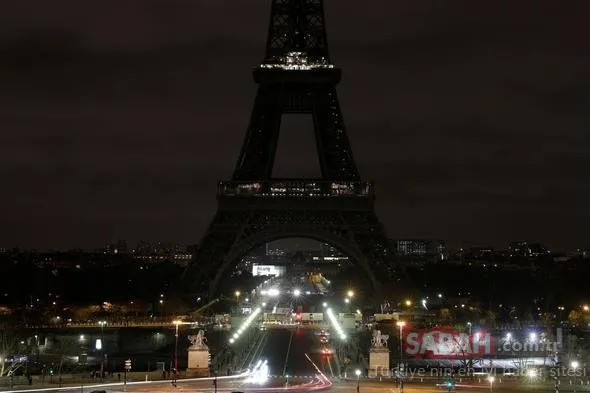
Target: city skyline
x=120, y=129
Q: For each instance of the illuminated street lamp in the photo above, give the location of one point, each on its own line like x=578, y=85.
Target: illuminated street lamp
x=237, y=293
x=491, y=380
x=176, y=323
x=296, y=292
x=586, y=307
x=408, y=303
x=574, y=365
x=102, y=325
x=350, y=293
x=401, y=325
x=358, y=379
x=533, y=337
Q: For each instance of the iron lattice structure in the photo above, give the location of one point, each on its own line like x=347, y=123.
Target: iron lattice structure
x=296, y=76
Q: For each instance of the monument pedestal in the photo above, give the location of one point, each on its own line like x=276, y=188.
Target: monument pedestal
x=198, y=363
x=379, y=363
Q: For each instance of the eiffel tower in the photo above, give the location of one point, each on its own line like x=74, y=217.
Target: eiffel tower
x=296, y=77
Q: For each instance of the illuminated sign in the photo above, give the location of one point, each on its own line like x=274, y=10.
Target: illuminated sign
x=445, y=343
x=268, y=270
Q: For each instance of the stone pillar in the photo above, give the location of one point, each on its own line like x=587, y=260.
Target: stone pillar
x=379, y=363
x=198, y=363
x=198, y=356
x=379, y=356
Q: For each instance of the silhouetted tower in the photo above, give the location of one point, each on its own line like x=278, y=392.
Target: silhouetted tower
x=297, y=77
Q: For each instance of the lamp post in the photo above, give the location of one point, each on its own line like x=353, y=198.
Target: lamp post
x=358, y=380
x=176, y=323
x=102, y=347
x=237, y=293
x=401, y=325
x=574, y=365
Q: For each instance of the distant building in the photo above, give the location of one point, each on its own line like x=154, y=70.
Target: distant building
x=155, y=251
x=119, y=247
x=518, y=249
x=524, y=249
x=422, y=248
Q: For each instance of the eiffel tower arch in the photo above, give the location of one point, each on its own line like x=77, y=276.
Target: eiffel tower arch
x=295, y=77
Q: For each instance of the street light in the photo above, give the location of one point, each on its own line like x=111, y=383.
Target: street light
x=350, y=293
x=102, y=347
x=176, y=323
x=491, y=381
x=574, y=365
x=401, y=325
x=237, y=293
x=358, y=379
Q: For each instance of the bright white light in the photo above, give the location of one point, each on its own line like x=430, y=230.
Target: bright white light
x=296, y=292
x=273, y=292
x=491, y=379
x=98, y=344
x=532, y=373
x=325, y=304
x=245, y=324
x=575, y=364
x=424, y=304
x=307, y=292
x=533, y=337
x=260, y=373
x=440, y=295
x=335, y=323
x=357, y=372
x=347, y=300
x=508, y=336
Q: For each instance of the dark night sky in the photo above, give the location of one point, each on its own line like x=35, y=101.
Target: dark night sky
x=118, y=117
